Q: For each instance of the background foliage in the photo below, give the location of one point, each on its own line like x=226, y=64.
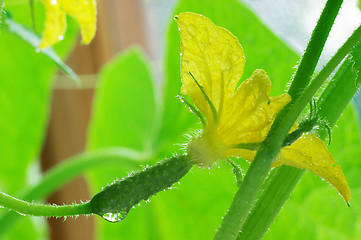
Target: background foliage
x=128, y=114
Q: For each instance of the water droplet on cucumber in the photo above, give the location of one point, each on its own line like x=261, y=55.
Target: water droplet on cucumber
x=115, y=217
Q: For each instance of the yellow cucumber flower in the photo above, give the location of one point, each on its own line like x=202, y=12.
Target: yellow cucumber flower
x=83, y=11
x=212, y=63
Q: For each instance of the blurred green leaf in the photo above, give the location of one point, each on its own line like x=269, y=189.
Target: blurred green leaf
x=196, y=207
x=25, y=91
x=19, y=2
x=124, y=107
x=342, y=224
x=29, y=228
x=29, y=37
x=24, y=97
x=25, y=85
x=357, y=104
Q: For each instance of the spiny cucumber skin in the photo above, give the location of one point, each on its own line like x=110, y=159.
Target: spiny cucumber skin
x=122, y=195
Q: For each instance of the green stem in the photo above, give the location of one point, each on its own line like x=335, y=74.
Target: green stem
x=314, y=48
x=331, y=104
x=333, y=63
x=270, y=202
x=36, y=209
x=71, y=168
x=259, y=169
x=332, y=100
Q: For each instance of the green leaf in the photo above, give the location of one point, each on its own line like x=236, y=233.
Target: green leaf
x=343, y=85
x=29, y=37
x=18, y=2
x=24, y=95
x=124, y=105
x=25, y=88
x=357, y=104
x=25, y=91
x=195, y=208
x=29, y=228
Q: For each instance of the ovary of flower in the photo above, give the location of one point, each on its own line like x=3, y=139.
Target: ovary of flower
x=214, y=57
x=83, y=11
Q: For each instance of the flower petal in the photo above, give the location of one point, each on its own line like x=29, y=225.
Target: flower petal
x=84, y=12
x=311, y=153
x=55, y=24
x=215, y=58
x=249, y=114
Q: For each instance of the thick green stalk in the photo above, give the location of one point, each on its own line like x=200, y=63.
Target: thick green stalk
x=270, y=203
x=250, y=187
x=284, y=181
x=259, y=169
x=338, y=93
x=314, y=48
x=333, y=101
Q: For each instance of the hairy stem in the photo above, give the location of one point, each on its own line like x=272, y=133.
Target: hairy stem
x=331, y=104
x=36, y=209
x=314, y=48
x=270, y=203
x=259, y=169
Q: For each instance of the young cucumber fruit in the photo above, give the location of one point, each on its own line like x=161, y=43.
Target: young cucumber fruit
x=114, y=201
